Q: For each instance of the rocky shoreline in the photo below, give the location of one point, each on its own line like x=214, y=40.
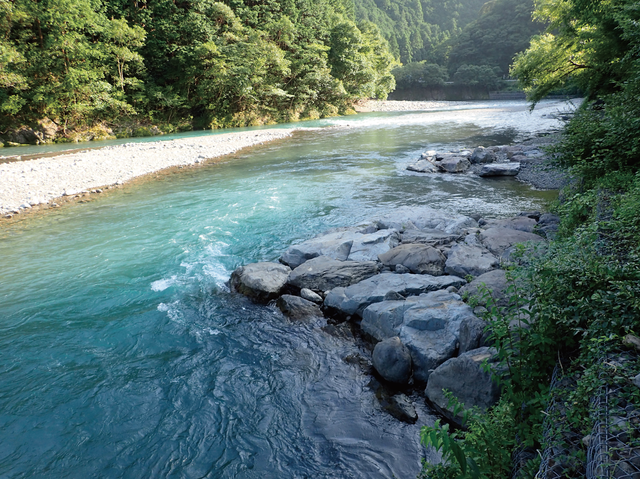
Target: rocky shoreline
x=38, y=183
x=399, y=282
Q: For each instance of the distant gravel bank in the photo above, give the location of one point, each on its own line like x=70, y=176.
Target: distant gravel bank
x=391, y=105
x=25, y=184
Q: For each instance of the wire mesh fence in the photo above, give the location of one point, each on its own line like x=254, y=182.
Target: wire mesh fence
x=563, y=454
x=614, y=443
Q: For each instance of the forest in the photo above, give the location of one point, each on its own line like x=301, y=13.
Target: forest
x=185, y=64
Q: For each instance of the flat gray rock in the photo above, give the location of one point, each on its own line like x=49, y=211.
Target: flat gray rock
x=500, y=169
x=521, y=223
x=466, y=260
x=429, y=237
x=297, y=308
x=423, y=166
x=426, y=218
x=418, y=258
x=324, y=273
x=498, y=240
x=355, y=298
x=260, y=281
x=356, y=244
x=464, y=377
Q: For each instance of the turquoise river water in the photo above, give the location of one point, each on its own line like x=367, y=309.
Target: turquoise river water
x=123, y=353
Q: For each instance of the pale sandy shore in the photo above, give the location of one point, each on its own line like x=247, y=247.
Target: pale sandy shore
x=27, y=184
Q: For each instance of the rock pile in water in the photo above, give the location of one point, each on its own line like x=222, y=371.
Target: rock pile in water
x=485, y=162
x=399, y=279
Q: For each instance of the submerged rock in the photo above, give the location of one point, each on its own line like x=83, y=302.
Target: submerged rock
x=466, y=260
x=418, y=258
x=398, y=405
x=355, y=298
x=297, y=308
x=466, y=379
x=260, y=281
x=392, y=360
x=324, y=273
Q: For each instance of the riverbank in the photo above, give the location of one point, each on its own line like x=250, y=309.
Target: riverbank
x=36, y=183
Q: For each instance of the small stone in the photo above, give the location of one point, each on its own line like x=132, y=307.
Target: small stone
x=401, y=269
x=309, y=295
x=636, y=381
x=402, y=409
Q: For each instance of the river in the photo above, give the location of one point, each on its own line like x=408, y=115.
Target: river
x=125, y=355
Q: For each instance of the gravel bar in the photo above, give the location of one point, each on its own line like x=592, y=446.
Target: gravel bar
x=25, y=184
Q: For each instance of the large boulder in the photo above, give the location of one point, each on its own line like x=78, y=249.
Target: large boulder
x=500, y=169
x=418, y=258
x=355, y=298
x=431, y=330
x=392, y=360
x=24, y=136
x=466, y=260
x=352, y=244
x=482, y=155
x=495, y=282
x=297, y=308
x=433, y=326
x=425, y=218
x=423, y=166
x=324, y=273
x=456, y=164
x=260, y=281
x=498, y=240
x=466, y=379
